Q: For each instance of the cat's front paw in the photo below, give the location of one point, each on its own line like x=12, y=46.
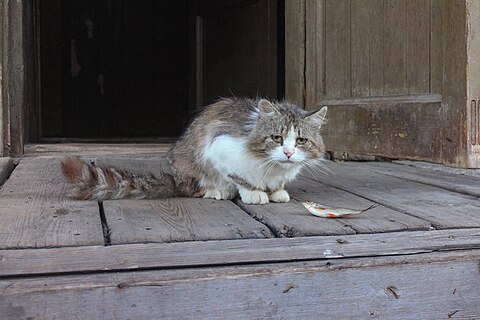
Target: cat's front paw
x=279, y=196
x=253, y=196
x=219, y=195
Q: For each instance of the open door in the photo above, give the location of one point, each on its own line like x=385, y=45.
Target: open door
x=236, y=49
x=128, y=69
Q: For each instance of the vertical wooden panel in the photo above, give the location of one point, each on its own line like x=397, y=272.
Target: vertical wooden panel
x=3, y=17
x=418, y=46
x=473, y=81
x=315, y=53
x=395, y=47
x=16, y=77
x=376, y=44
x=436, y=46
x=361, y=26
x=454, y=91
x=338, y=50
x=295, y=50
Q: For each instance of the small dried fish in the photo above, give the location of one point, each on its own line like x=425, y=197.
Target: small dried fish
x=332, y=212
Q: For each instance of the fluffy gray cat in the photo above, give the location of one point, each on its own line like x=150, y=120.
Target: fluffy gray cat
x=234, y=146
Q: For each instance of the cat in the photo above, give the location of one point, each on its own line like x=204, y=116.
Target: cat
x=245, y=147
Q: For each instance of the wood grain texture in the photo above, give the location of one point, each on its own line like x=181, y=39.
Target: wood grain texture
x=473, y=83
x=436, y=45
x=454, y=89
x=469, y=185
x=3, y=110
x=179, y=219
x=337, y=49
x=376, y=45
x=418, y=46
x=315, y=53
x=360, y=43
x=443, y=209
x=395, y=60
x=229, y=252
x=295, y=50
x=13, y=75
x=393, y=129
x=293, y=220
x=175, y=219
x=35, y=212
x=97, y=149
x=378, y=219
x=427, y=286
x=381, y=56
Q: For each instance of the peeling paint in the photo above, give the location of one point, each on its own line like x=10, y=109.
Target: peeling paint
x=74, y=66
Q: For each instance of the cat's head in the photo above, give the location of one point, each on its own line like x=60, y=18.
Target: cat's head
x=286, y=133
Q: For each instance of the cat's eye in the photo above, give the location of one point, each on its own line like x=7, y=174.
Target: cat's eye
x=301, y=140
x=277, y=138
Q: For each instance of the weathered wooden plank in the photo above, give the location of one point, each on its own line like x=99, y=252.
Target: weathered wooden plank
x=3, y=101
x=315, y=53
x=379, y=219
x=473, y=83
x=292, y=219
x=418, y=46
x=337, y=49
x=295, y=50
x=406, y=130
x=395, y=81
x=179, y=219
x=376, y=44
x=387, y=100
x=428, y=286
x=35, y=212
x=175, y=219
x=436, y=45
x=360, y=42
x=228, y=252
x=469, y=185
x=13, y=65
x=96, y=149
x=454, y=91
x=443, y=209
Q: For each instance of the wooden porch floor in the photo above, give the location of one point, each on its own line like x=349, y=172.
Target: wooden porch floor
x=414, y=256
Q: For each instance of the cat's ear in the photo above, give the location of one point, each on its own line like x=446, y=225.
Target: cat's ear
x=318, y=117
x=266, y=106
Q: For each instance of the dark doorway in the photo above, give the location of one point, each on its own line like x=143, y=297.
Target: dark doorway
x=123, y=69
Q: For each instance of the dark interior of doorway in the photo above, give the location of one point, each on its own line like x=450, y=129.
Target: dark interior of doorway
x=139, y=69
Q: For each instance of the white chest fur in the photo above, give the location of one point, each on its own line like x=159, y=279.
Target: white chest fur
x=229, y=155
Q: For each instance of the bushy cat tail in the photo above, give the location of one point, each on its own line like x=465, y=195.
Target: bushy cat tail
x=107, y=183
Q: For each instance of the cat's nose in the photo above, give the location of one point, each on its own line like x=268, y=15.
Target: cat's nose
x=288, y=153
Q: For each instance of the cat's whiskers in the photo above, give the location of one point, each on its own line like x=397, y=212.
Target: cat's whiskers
x=306, y=165
x=314, y=167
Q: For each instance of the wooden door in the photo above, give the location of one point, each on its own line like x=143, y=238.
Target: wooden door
x=393, y=73
x=236, y=51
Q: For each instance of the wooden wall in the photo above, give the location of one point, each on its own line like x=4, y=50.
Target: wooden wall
x=2, y=107
x=393, y=72
x=13, y=97
x=16, y=73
